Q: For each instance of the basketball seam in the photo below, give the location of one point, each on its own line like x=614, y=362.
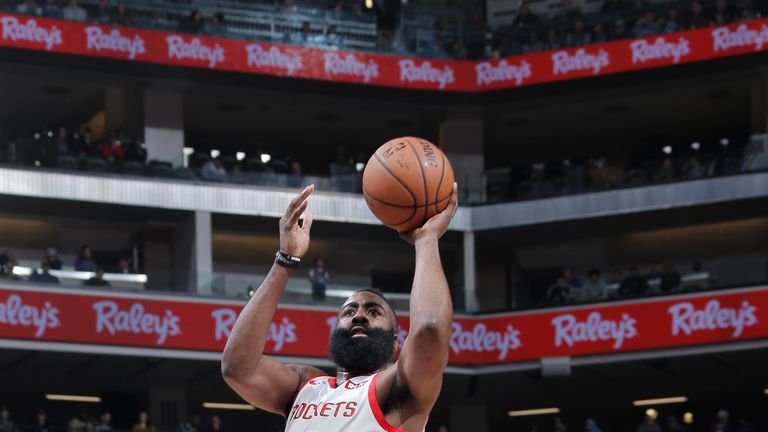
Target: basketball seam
x=413, y=197
x=414, y=206
x=424, y=180
x=442, y=175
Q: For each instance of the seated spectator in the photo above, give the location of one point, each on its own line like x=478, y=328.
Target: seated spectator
x=303, y=36
x=533, y=44
x=571, y=278
x=594, y=287
x=669, y=278
x=723, y=13
x=559, y=292
x=105, y=422
x=52, y=258
x=97, y=280
x=436, y=49
x=62, y=140
x=84, y=261
x=124, y=266
x=693, y=168
x=193, y=425
x=568, y=12
x=8, y=273
x=642, y=28
x=216, y=27
x=81, y=423
x=6, y=425
x=122, y=17
x=598, y=33
x=29, y=7
x=673, y=22
x=553, y=40
x=5, y=257
x=634, y=285
x=214, y=171
x=104, y=14
x=41, y=421
x=331, y=37
x=144, y=424
x=697, y=19
x=112, y=149
x=619, y=30
x=457, y=50
x=578, y=36
x=43, y=274
x=747, y=11
x=192, y=24
x=85, y=145
x=524, y=18
x=51, y=9
x=616, y=276
x=666, y=171
x=74, y=12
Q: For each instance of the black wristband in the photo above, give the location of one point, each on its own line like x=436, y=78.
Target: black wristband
x=287, y=260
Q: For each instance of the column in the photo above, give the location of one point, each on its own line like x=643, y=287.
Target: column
x=203, y=253
x=164, y=125
x=123, y=110
x=462, y=139
x=470, y=273
x=192, y=254
x=759, y=103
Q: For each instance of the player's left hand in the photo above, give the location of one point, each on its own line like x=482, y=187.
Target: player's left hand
x=437, y=225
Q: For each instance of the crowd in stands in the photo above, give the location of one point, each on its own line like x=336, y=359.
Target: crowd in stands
x=84, y=262
x=662, y=279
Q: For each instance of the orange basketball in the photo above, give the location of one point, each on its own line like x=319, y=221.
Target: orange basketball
x=407, y=181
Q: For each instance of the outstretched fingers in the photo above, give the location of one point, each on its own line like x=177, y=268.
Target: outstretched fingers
x=307, y=223
x=298, y=205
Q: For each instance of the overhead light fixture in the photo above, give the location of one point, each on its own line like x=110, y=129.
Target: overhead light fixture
x=652, y=413
x=688, y=418
x=765, y=391
x=265, y=158
x=188, y=151
x=240, y=155
x=359, y=166
x=659, y=401
x=724, y=142
x=696, y=145
x=667, y=149
x=369, y=4
x=532, y=412
x=229, y=406
x=215, y=153
x=73, y=398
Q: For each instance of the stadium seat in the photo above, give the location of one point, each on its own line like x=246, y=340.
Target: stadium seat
x=96, y=165
x=133, y=168
x=67, y=163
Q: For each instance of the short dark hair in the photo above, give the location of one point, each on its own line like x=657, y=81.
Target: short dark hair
x=376, y=291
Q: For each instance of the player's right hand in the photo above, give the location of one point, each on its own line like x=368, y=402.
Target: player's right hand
x=294, y=239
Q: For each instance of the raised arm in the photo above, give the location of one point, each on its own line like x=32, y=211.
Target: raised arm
x=263, y=381
x=425, y=353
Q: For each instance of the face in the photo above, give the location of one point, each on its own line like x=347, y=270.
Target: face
x=364, y=339
x=143, y=417
x=87, y=252
x=4, y=413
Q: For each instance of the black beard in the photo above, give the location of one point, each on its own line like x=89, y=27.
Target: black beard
x=361, y=354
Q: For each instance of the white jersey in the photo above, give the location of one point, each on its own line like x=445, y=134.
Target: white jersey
x=323, y=406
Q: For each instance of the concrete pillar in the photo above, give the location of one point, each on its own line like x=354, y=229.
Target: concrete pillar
x=164, y=125
x=167, y=408
x=470, y=273
x=192, y=253
x=462, y=139
x=123, y=109
x=203, y=253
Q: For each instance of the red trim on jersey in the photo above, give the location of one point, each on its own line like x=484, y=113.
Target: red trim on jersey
x=377, y=409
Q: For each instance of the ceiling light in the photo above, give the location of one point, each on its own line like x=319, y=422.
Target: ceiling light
x=724, y=142
x=230, y=406
x=73, y=398
x=188, y=151
x=369, y=4
x=765, y=391
x=265, y=158
x=688, y=418
x=215, y=153
x=240, y=156
x=652, y=413
x=531, y=412
x=359, y=166
x=658, y=401
x=695, y=146
x=667, y=149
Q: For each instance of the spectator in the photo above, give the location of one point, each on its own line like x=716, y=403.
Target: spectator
x=216, y=27
x=52, y=258
x=112, y=149
x=594, y=288
x=303, y=36
x=578, y=36
x=568, y=12
x=723, y=13
x=62, y=139
x=318, y=277
x=533, y=44
x=747, y=11
x=86, y=146
x=722, y=425
x=642, y=28
x=143, y=425
x=331, y=37
x=213, y=170
x=192, y=24
x=8, y=273
x=669, y=279
x=74, y=12
x=591, y=426
x=5, y=256
x=436, y=49
x=458, y=51
x=85, y=261
x=598, y=33
x=97, y=280
x=653, y=25
x=611, y=7
x=649, y=425
x=633, y=285
x=43, y=275
x=616, y=276
x=51, y=9
x=124, y=266
x=619, y=30
x=693, y=168
x=122, y=17
x=41, y=421
x=215, y=424
x=81, y=423
x=571, y=278
x=6, y=425
x=553, y=40
x=193, y=425
x=697, y=18
x=666, y=171
x=559, y=292
x=673, y=23
x=559, y=425
x=29, y=7
x=524, y=18
x=105, y=422
x=104, y=14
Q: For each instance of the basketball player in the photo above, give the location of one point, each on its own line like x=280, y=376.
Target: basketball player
x=368, y=394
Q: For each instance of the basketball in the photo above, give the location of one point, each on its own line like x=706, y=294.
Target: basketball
x=407, y=181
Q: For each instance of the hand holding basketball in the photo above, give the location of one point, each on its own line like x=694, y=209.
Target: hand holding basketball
x=438, y=224
x=294, y=239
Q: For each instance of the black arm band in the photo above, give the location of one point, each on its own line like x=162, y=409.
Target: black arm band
x=286, y=260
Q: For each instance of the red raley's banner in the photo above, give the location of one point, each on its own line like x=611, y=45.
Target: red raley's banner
x=147, y=321
x=382, y=70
